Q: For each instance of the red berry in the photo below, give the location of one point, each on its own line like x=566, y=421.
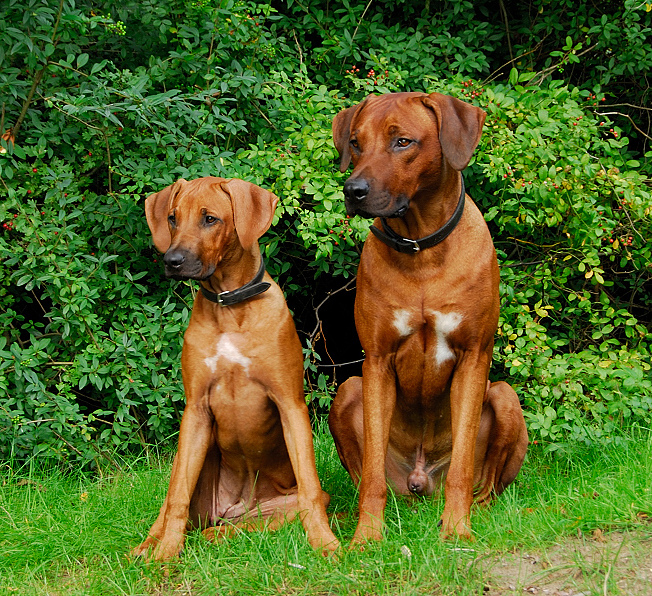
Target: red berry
x=34, y=170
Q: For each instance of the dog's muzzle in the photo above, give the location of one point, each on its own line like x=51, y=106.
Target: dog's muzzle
x=357, y=201
x=181, y=264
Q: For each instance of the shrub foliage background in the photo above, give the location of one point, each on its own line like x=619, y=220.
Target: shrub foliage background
x=110, y=101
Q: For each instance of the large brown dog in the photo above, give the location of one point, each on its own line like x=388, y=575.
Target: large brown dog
x=426, y=311
x=245, y=447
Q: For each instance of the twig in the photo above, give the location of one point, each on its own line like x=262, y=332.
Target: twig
x=543, y=75
x=328, y=296
x=509, y=41
x=340, y=364
x=364, y=12
x=294, y=34
x=626, y=105
x=37, y=79
x=77, y=451
x=108, y=155
x=255, y=104
x=519, y=57
x=629, y=118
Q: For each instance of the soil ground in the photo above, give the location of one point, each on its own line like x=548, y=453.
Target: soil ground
x=613, y=563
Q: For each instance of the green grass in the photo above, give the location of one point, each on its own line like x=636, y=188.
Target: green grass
x=70, y=534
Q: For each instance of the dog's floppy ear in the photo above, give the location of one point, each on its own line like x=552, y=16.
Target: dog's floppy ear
x=460, y=127
x=342, y=132
x=157, y=206
x=253, y=209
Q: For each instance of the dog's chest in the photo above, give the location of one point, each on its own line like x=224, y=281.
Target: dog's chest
x=228, y=367
x=237, y=397
x=227, y=353
x=426, y=349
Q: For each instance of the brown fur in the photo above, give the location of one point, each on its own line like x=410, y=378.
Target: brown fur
x=245, y=456
x=426, y=321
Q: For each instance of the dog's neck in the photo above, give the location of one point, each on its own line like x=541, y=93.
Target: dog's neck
x=235, y=270
x=430, y=208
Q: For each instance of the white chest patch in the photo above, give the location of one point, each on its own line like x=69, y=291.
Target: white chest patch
x=402, y=322
x=226, y=349
x=445, y=324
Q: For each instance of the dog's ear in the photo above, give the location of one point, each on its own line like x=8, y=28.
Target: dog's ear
x=253, y=209
x=460, y=127
x=342, y=132
x=157, y=207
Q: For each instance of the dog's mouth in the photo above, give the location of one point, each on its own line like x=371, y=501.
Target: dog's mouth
x=184, y=276
x=400, y=212
x=395, y=211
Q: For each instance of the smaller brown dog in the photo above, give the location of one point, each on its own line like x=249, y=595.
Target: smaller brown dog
x=245, y=455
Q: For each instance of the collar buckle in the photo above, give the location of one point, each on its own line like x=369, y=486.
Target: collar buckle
x=413, y=244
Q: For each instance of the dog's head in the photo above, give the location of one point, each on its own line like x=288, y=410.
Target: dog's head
x=398, y=143
x=199, y=223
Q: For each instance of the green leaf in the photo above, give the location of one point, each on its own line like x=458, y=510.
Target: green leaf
x=82, y=59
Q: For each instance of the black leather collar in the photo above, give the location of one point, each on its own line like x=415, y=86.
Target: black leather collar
x=249, y=290
x=409, y=246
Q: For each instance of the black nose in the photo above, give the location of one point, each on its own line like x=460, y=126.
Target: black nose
x=174, y=259
x=356, y=190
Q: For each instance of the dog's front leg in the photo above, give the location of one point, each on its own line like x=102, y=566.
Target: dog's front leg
x=378, y=402
x=467, y=393
x=297, y=433
x=168, y=532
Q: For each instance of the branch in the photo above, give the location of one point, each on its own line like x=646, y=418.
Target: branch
x=629, y=118
x=36, y=81
x=546, y=71
x=627, y=105
x=340, y=364
x=503, y=12
x=328, y=296
x=364, y=12
x=498, y=70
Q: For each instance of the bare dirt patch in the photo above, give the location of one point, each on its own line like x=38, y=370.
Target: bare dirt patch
x=615, y=563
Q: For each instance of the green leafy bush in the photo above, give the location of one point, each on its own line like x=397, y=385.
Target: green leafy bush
x=110, y=104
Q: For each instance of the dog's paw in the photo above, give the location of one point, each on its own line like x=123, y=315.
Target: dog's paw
x=142, y=549
x=157, y=550
x=459, y=531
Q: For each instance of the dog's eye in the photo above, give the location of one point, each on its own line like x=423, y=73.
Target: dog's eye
x=354, y=144
x=172, y=220
x=210, y=219
x=402, y=142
